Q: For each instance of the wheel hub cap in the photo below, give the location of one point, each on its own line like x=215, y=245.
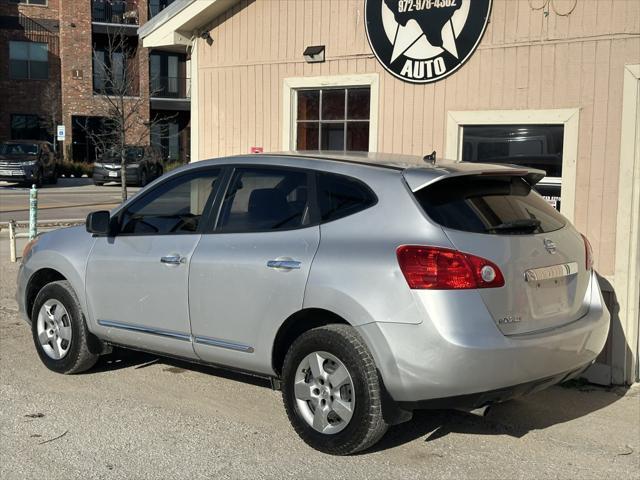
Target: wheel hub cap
x=53, y=326
x=324, y=392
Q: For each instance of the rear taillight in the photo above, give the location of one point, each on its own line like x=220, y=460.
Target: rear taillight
x=437, y=268
x=588, y=261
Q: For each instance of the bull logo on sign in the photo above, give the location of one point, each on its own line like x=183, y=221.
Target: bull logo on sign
x=423, y=41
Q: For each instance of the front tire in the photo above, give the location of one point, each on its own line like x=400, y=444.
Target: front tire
x=60, y=334
x=38, y=180
x=332, y=392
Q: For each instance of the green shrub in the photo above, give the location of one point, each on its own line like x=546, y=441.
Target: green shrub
x=75, y=169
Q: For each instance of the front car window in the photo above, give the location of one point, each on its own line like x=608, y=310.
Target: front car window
x=172, y=208
x=265, y=199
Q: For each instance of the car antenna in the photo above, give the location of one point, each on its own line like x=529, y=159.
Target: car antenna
x=430, y=158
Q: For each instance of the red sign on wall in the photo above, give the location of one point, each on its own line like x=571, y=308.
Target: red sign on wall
x=256, y=150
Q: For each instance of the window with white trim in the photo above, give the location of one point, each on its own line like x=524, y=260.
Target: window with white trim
x=333, y=118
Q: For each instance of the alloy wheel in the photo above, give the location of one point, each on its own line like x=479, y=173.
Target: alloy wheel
x=324, y=392
x=54, y=329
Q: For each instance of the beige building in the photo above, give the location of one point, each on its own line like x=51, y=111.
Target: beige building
x=551, y=82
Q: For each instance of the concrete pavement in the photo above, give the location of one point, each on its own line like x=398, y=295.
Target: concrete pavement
x=139, y=416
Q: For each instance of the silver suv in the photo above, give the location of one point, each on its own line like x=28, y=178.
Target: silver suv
x=363, y=288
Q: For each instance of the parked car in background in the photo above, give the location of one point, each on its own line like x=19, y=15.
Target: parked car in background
x=143, y=164
x=28, y=162
x=364, y=288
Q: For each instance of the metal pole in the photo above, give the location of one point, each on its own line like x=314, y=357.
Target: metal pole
x=12, y=240
x=33, y=212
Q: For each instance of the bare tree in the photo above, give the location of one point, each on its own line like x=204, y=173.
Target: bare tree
x=124, y=109
x=50, y=99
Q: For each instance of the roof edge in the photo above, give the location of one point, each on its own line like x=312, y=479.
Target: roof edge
x=176, y=7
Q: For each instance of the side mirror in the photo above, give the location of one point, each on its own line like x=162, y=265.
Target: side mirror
x=99, y=222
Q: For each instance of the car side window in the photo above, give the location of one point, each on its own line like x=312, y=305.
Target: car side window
x=265, y=199
x=339, y=196
x=172, y=208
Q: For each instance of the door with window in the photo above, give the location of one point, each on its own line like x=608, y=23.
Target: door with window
x=137, y=280
x=249, y=274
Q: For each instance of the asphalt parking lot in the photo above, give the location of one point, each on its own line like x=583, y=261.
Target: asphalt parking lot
x=139, y=416
x=70, y=198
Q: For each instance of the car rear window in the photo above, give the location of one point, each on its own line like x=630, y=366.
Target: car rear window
x=339, y=196
x=489, y=204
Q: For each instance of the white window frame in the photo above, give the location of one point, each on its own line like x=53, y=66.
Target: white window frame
x=290, y=87
x=569, y=118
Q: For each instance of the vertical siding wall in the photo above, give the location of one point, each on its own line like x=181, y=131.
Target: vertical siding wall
x=526, y=60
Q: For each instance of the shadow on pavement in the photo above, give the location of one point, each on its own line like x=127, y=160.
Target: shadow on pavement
x=515, y=418
x=123, y=358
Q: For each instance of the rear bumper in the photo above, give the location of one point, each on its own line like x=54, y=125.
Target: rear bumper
x=482, y=399
x=437, y=359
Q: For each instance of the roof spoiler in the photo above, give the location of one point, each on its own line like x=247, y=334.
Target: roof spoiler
x=418, y=178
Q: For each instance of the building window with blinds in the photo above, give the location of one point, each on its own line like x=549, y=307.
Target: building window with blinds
x=333, y=119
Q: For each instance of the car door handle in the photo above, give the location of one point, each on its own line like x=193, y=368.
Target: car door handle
x=173, y=259
x=284, y=264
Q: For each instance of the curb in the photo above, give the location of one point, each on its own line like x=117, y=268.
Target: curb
x=46, y=223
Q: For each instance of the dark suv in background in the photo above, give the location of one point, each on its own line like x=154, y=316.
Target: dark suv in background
x=143, y=165
x=28, y=162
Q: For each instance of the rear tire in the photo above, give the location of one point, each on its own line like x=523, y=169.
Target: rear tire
x=97, y=183
x=142, y=182
x=60, y=334
x=336, y=347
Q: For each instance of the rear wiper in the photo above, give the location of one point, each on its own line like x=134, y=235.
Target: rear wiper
x=526, y=224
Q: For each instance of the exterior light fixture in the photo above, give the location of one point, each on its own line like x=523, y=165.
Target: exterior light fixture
x=207, y=37
x=314, y=54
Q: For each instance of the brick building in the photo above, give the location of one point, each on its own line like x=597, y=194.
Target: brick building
x=51, y=57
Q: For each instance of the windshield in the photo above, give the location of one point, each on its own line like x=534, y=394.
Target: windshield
x=18, y=149
x=132, y=154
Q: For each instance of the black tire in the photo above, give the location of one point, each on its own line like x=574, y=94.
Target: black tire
x=97, y=183
x=38, y=180
x=367, y=424
x=82, y=353
x=142, y=181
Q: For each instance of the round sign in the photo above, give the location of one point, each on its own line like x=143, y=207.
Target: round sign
x=423, y=41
